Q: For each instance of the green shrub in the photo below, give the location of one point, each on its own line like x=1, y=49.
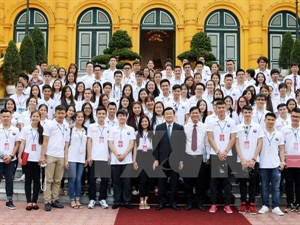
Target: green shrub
x=285, y=51
x=295, y=56
x=126, y=54
x=39, y=45
x=101, y=59
x=27, y=54
x=119, y=40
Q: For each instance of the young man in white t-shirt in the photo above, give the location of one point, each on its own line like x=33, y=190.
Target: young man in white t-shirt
x=9, y=136
x=48, y=101
x=111, y=119
x=56, y=142
x=228, y=90
x=221, y=136
x=259, y=112
x=98, y=158
x=165, y=97
x=283, y=119
x=271, y=163
x=181, y=108
x=121, y=142
x=109, y=73
x=117, y=86
x=248, y=145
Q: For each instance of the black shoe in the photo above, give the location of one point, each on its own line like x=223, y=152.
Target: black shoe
x=201, y=208
x=115, y=206
x=175, y=207
x=128, y=206
x=10, y=204
x=47, y=207
x=188, y=207
x=56, y=204
x=160, y=206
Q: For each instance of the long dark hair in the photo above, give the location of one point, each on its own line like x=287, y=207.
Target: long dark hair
x=287, y=103
x=67, y=77
x=139, y=98
x=53, y=88
x=10, y=100
x=238, y=108
x=140, y=130
x=63, y=99
x=120, y=102
x=230, y=109
x=91, y=116
x=187, y=88
x=93, y=99
x=256, y=80
x=156, y=90
x=155, y=114
x=39, y=94
x=76, y=90
x=28, y=100
x=192, y=88
x=131, y=121
x=100, y=102
x=131, y=99
x=76, y=73
x=252, y=96
x=205, y=111
x=269, y=104
x=40, y=129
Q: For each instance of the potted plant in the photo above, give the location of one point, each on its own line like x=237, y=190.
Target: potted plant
x=11, y=67
x=285, y=53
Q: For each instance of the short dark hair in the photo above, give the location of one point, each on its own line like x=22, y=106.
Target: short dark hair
x=282, y=85
x=127, y=64
x=140, y=73
x=107, y=84
x=117, y=72
x=100, y=108
x=112, y=103
x=247, y=107
x=112, y=57
x=220, y=102
x=199, y=62
x=280, y=105
x=136, y=62
x=260, y=95
x=47, y=72
x=24, y=76
x=228, y=75
x=60, y=108
x=47, y=86
x=176, y=86
x=187, y=63
x=167, y=109
x=42, y=62
x=270, y=114
x=251, y=72
x=296, y=110
x=200, y=84
x=194, y=108
x=264, y=58
x=164, y=80
x=121, y=112
x=230, y=60
x=97, y=65
x=89, y=62
x=294, y=64
x=239, y=70
x=274, y=71
x=5, y=111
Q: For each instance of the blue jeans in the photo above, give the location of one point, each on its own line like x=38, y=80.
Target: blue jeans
x=272, y=176
x=75, y=174
x=8, y=170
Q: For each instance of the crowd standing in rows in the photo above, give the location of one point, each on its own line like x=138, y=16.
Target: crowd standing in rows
x=136, y=120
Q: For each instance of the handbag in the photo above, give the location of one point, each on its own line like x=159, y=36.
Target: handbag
x=24, y=158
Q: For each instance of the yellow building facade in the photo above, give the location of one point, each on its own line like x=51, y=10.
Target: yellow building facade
x=76, y=30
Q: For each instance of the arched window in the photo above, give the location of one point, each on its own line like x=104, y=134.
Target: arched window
x=223, y=29
x=279, y=24
x=94, y=30
x=36, y=19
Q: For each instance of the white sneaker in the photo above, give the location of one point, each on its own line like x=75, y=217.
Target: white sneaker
x=135, y=192
x=98, y=180
x=263, y=210
x=22, y=178
x=277, y=211
x=103, y=204
x=91, y=205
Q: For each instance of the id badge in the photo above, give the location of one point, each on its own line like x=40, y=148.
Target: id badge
x=6, y=146
x=269, y=149
x=101, y=139
x=276, y=94
x=145, y=148
x=222, y=137
x=20, y=110
x=296, y=145
x=120, y=144
x=246, y=144
x=81, y=150
x=175, y=118
x=33, y=147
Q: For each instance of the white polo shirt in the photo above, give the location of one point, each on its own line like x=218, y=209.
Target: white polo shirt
x=128, y=80
x=51, y=107
x=32, y=146
x=20, y=101
x=136, y=91
x=233, y=93
x=222, y=129
x=269, y=154
x=167, y=101
x=239, y=88
x=77, y=147
x=58, y=135
x=25, y=118
x=79, y=104
x=15, y=119
x=145, y=143
x=275, y=92
x=247, y=136
x=99, y=137
x=8, y=139
x=280, y=123
x=111, y=123
x=267, y=74
x=291, y=140
x=259, y=117
x=181, y=109
x=109, y=75
x=125, y=135
x=116, y=92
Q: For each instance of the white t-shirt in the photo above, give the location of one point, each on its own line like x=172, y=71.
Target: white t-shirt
x=280, y=123
x=99, y=136
x=121, y=138
x=145, y=142
x=32, y=146
x=15, y=119
x=181, y=109
x=267, y=74
x=25, y=118
x=51, y=107
x=58, y=135
x=259, y=117
x=291, y=140
x=109, y=75
x=77, y=147
x=8, y=139
x=167, y=101
x=111, y=123
x=20, y=101
x=269, y=154
x=247, y=136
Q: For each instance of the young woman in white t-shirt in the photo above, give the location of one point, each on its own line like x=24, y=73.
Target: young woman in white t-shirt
x=11, y=106
x=143, y=150
x=31, y=142
x=75, y=159
x=43, y=109
x=25, y=116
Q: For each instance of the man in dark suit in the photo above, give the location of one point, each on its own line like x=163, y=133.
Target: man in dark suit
x=169, y=148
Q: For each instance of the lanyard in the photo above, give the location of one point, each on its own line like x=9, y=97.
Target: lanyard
x=115, y=92
x=229, y=90
x=270, y=140
x=241, y=89
x=221, y=127
x=61, y=130
x=247, y=131
x=20, y=101
x=101, y=131
x=259, y=120
x=241, y=117
x=127, y=80
x=6, y=135
x=295, y=134
x=159, y=121
x=121, y=134
x=176, y=106
x=108, y=121
x=285, y=123
x=80, y=136
x=163, y=98
x=33, y=137
x=145, y=134
x=276, y=89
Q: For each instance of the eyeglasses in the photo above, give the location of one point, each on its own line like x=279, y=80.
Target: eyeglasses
x=126, y=68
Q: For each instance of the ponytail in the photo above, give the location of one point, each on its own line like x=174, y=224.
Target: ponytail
x=40, y=130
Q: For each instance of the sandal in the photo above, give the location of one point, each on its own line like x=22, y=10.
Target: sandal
x=141, y=205
x=146, y=205
x=29, y=207
x=35, y=207
x=74, y=206
x=79, y=206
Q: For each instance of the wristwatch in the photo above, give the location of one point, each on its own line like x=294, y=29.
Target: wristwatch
x=11, y=156
x=218, y=152
x=1, y=156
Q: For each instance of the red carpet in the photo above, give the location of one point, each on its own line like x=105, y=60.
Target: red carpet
x=169, y=216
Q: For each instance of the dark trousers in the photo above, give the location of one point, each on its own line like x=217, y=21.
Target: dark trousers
x=220, y=174
x=8, y=170
x=292, y=176
x=117, y=171
x=163, y=187
x=197, y=181
x=144, y=184
x=93, y=178
x=252, y=184
x=32, y=174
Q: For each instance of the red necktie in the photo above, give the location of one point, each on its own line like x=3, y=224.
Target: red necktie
x=295, y=83
x=194, y=139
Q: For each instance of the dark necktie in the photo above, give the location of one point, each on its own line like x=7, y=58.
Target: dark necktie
x=194, y=138
x=295, y=83
x=169, y=130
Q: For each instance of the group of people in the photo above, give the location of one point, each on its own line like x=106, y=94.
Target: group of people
x=159, y=126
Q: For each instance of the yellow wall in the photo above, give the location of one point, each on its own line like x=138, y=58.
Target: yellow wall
x=190, y=16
